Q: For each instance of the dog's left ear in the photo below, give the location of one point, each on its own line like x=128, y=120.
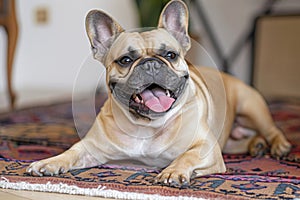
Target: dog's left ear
x=174, y=18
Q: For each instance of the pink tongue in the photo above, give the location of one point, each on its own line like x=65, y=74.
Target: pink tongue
x=157, y=100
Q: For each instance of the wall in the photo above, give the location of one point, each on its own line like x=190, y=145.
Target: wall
x=231, y=20
x=49, y=56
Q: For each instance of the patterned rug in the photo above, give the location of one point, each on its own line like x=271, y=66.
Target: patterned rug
x=40, y=132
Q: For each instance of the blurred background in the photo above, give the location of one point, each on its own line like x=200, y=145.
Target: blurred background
x=52, y=44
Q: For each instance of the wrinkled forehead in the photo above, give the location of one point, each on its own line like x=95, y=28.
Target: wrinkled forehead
x=143, y=43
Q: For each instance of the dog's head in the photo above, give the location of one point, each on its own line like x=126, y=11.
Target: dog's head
x=146, y=70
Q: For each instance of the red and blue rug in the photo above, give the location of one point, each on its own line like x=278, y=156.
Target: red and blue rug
x=44, y=131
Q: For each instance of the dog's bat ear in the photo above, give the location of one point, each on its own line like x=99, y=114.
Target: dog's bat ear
x=102, y=30
x=174, y=18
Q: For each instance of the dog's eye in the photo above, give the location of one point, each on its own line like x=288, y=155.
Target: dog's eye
x=125, y=61
x=171, y=56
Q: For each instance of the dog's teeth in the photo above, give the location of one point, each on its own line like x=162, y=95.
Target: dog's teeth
x=168, y=93
x=137, y=100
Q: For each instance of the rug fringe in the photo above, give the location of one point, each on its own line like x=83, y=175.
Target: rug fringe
x=101, y=191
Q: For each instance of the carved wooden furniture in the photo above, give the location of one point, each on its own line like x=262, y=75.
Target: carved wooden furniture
x=9, y=21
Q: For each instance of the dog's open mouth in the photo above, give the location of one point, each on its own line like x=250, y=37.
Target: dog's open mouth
x=153, y=98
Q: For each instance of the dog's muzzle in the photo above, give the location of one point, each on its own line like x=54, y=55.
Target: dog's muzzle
x=152, y=88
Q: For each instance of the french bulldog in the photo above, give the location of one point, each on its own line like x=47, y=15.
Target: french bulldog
x=162, y=110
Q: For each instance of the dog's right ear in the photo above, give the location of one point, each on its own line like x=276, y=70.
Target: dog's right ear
x=102, y=30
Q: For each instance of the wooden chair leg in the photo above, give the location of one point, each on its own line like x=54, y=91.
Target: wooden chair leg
x=12, y=36
x=11, y=45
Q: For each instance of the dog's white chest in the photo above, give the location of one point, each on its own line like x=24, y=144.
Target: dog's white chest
x=142, y=142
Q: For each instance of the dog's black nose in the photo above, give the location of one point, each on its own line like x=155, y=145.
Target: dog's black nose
x=151, y=66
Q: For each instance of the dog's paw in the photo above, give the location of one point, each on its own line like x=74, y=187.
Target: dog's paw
x=258, y=147
x=48, y=167
x=173, y=177
x=280, y=147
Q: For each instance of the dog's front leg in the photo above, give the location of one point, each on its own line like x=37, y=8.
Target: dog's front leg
x=83, y=154
x=76, y=157
x=203, y=158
